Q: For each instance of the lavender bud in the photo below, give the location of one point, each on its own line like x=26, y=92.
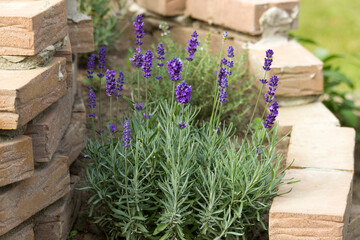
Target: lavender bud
x=183, y=93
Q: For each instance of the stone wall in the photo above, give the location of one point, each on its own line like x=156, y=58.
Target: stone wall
x=42, y=117
x=320, y=205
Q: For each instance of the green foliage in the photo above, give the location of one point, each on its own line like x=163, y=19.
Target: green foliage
x=201, y=74
x=106, y=23
x=72, y=234
x=194, y=183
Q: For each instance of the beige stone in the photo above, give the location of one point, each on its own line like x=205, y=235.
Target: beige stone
x=314, y=114
x=73, y=141
x=56, y=221
x=47, y=130
x=22, y=200
x=318, y=206
x=16, y=160
x=25, y=94
x=240, y=15
x=298, y=70
x=164, y=7
x=81, y=36
x=29, y=26
x=23, y=232
x=66, y=52
x=322, y=147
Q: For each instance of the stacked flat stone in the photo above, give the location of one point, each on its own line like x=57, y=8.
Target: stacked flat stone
x=42, y=121
x=320, y=205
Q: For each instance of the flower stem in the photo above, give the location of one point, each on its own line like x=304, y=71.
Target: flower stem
x=138, y=83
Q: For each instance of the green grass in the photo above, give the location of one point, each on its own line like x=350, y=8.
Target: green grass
x=334, y=25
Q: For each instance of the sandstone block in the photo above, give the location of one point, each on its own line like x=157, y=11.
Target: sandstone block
x=22, y=200
x=16, y=160
x=164, y=7
x=81, y=36
x=322, y=147
x=47, y=130
x=66, y=52
x=23, y=232
x=25, y=94
x=56, y=221
x=298, y=70
x=318, y=206
x=73, y=141
x=240, y=15
x=30, y=26
x=314, y=114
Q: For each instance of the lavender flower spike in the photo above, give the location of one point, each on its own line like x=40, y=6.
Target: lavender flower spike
x=273, y=85
x=268, y=60
x=161, y=52
x=119, y=84
x=92, y=101
x=126, y=134
x=192, y=44
x=230, y=52
x=112, y=128
x=182, y=125
x=148, y=116
x=139, y=31
x=139, y=106
x=183, y=93
x=174, y=68
x=110, y=82
x=102, y=57
x=91, y=66
x=147, y=63
x=271, y=117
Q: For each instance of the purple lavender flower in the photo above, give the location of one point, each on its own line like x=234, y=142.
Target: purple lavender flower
x=174, y=68
x=110, y=82
x=273, y=85
x=230, y=64
x=268, y=60
x=263, y=81
x=119, y=84
x=271, y=117
x=182, y=125
x=148, y=116
x=258, y=152
x=137, y=60
x=225, y=36
x=183, y=93
x=139, y=31
x=224, y=61
x=92, y=101
x=192, y=44
x=159, y=77
x=102, y=57
x=223, y=95
x=161, y=52
x=91, y=66
x=126, y=134
x=112, y=128
x=223, y=83
x=147, y=63
x=216, y=128
x=230, y=52
x=139, y=106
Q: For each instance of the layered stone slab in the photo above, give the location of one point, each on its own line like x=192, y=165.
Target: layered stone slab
x=313, y=114
x=73, y=141
x=164, y=7
x=318, y=207
x=240, y=15
x=322, y=147
x=56, y=221
x=16, y=160
x=82, y=36
x=25, y=94
x=23, y=232
x=20, y=201
x=66, y=52
x=29, y=26
x=48, y=129
x=298, y=70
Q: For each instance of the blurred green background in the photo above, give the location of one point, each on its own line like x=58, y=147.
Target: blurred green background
x=334, y=25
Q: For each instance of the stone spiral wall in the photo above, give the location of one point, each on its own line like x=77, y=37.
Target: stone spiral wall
x=42, y=117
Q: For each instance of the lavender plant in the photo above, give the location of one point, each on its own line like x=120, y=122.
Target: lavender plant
x=162, y=176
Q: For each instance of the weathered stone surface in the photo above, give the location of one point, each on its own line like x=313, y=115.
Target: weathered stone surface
x=66, y=52
x=81, y=36
x=354, y=226
x=322, y=147
x=16, y=160
x=73, y=141
x=29, y=26
x=298, y=70
x=56, y=221
x=23, y=232
x=240, y=15
x=75, y=84
x=164, y=7
x=25, y=94
x=22, y=200
x=318, y=206
x=47, y=130
x=314, y=114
